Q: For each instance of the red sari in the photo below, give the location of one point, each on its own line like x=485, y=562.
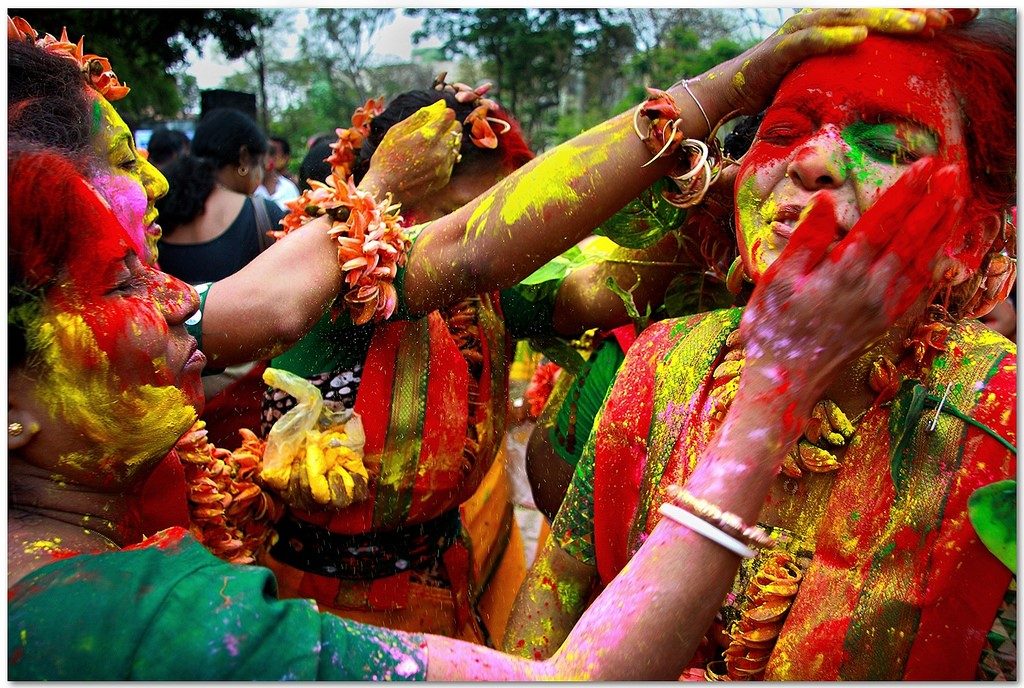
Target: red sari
x=896, y=584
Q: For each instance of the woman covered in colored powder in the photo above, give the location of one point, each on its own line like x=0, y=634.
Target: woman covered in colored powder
x=82, y=328
x=874, y=571
x=103, y=379
x=413, y=559
x=57, y=100
x=431, y=383
x=61, y=97
x=448, y=536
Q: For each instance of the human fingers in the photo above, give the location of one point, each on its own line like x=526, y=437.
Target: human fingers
x=814, y=233
x=924, y=233
x=881, y=19
x=935, y=229
x=431, y=119
x=882, y=220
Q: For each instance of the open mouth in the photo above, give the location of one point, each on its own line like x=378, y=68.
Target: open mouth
x=785, y=220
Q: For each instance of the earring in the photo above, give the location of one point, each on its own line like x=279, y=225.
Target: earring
x=14, y=429
x=243, y=171
x=736, y=276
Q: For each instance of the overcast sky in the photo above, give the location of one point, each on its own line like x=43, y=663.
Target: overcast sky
x=393, y=42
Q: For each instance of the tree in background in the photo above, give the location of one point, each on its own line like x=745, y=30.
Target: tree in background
x=342, y=40
x=562, y=70
x=532, y=55
x=147, y=45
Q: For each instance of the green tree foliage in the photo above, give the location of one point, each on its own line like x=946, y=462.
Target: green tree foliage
x=146, y=45
x=531, y=54
x=562, y=70
x=341, y=40
x=681, y=55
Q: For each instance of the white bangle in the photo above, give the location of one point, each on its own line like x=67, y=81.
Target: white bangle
x=702, y=527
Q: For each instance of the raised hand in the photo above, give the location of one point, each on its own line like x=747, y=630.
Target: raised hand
x=827, y=296
x=416, y=156
x=747, y=82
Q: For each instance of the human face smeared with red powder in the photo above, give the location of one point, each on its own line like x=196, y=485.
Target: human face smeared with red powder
x=116, y=372
x=847, y=125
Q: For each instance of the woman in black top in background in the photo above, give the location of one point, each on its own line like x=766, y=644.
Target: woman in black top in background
x=212, y=226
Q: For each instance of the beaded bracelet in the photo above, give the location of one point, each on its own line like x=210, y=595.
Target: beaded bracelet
x=701, y=527
x=725, y=520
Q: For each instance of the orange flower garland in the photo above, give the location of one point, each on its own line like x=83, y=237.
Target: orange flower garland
x=769, y=597
x=343, y=153
x=371, y=243
x=95, y=70
x=229, y=513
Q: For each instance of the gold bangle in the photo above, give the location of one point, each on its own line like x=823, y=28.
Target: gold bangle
x=727, y=521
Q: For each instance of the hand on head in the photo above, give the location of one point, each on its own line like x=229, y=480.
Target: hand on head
x=748, y=81
x=416, y=156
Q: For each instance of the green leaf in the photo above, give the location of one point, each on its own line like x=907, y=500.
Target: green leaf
x=694, y=291
x=558, y=267
x=559, y=351
x=644, y=220
x=904, y=420
x=993, y=513
x=641, y=321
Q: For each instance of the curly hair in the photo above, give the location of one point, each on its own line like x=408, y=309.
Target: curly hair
x=47, y=101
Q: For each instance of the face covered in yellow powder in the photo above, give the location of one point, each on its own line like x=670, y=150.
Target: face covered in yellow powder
x=131, y=185
x=115, y=370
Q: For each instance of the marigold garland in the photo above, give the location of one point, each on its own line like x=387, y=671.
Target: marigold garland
x=229, y=512
x=95, y=70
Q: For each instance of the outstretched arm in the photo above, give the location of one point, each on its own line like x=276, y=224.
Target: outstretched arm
x=271, y=303
x=647, y=623
x=553, y=202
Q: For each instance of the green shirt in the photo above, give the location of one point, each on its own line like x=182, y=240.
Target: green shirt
x=168, y=609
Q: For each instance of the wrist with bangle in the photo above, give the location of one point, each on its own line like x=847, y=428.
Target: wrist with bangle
x=372, y=244
x=710, y=521
x=697, y=163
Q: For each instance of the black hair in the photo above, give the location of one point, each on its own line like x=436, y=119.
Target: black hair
x=403, y=106
x=286, y=148
x=223, y=132
x=220, y=136
x=165, y=144
x=47, y=103
x=738, y=141
x=314, y=166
